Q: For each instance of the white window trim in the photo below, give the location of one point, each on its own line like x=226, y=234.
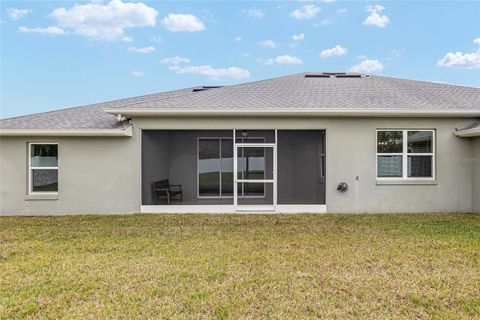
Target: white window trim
x=30, y=169
x=405, y=155
x=220, y=196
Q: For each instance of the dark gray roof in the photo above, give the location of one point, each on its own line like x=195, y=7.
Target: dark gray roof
x=293, y=92
x=300, y=92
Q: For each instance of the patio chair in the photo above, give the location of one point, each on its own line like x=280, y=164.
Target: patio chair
x=164, y=190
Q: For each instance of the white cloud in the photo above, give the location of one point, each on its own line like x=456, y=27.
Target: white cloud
x=182, y=23
x=17, y=14
x=325, y=23
x=216, y=74
x=338, y=50
x=46, y=30
x=368, y=66
x=137, y=73
x=105, y=21
x=375, y=19
x=339, y=14
x=305, y=12
x=267, y=44
x=298, y=37
x=254, y=13
x=142, y=50
x=175, y=60
x=157, y=39
x=462, y=60
x=285, y=59
x=237, y=39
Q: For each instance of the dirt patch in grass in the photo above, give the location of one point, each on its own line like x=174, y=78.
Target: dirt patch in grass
x=240, y=266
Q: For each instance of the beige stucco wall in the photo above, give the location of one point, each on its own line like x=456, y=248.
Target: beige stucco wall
x=96, y=175
x=476, y=175
x=351, y=153
x=102, y=175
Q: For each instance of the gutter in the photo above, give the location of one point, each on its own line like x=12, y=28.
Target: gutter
x=124, y=112
x=127, y=132
x=475, y=132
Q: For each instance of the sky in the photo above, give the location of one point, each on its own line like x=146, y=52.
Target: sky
x=57, y=54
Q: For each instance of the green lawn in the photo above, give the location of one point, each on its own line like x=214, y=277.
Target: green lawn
x=240, y=266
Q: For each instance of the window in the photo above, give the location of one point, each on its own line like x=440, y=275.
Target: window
x=43, y=168
x=215, y=168
x=405, y=154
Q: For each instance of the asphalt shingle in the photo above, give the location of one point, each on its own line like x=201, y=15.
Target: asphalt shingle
x=84, y=117
x=293, y=92
x=300, y=92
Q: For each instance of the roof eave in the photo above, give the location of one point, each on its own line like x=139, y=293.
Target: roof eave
x=295, y=112
x=126, y=132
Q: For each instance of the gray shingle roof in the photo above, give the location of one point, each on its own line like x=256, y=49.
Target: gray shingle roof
x=84, y=117
x=298, y=92
x=293, y=92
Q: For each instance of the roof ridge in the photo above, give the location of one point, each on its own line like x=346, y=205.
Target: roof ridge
x=95, y=104
x=252, y=82
x=425, y=81
x=210, y=90
x=263, y=80
x=165, y=98
x=50, y=111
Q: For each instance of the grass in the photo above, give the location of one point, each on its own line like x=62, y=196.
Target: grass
x=238, y=267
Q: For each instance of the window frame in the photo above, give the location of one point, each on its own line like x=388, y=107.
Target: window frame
x=30, y=169
x=220, y=196
x=405, y=154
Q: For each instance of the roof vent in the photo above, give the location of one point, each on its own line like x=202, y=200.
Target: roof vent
x=335, y=75
x=312, y=75
x=348, y=76
x=203, y=88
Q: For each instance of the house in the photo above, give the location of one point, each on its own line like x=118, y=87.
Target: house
x=309, y=142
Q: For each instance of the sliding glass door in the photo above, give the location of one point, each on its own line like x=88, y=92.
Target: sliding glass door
x=215, y=167
x=209, y=167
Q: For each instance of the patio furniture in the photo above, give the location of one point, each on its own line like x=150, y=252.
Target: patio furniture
x=164, y=190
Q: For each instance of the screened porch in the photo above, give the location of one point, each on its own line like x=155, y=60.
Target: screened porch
x=232, y=170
